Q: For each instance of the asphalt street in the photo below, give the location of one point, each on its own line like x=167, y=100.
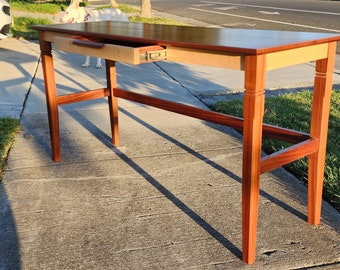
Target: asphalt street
x=297, y=15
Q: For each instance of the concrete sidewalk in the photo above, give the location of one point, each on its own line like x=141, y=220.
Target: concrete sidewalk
x=169, y=197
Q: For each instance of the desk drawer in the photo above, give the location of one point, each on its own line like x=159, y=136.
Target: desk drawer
x=135, y=55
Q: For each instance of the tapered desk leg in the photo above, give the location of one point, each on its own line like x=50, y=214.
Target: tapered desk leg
x=253, y=110
x=111, y=78
x=319, y=129
x=51, y=94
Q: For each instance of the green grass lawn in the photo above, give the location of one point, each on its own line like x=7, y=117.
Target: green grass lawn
x=8, y=128
x=51, y=7
x=21, y=27
x=293, y=111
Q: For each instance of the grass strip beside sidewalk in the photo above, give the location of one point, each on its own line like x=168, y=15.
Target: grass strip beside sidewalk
x=8, y=129
x=293, y=111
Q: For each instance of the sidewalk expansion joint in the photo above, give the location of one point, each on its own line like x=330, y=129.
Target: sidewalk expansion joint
x=30, y=87
x=177, y=81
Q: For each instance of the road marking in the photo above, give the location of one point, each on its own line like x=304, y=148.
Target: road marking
x=276, y=8
x=269, y=13
x=227, y=8
x=239, y=24
x=203, y=5
x=265, y=20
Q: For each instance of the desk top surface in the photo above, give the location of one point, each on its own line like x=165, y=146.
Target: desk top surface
x=219, y=39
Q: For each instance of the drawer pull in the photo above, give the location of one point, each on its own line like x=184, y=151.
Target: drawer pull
x=154, y=55
x=88, y=44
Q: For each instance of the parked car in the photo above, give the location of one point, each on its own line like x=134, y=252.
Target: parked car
x=5, y=19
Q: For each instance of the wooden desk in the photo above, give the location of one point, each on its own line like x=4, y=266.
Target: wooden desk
x=254, y=51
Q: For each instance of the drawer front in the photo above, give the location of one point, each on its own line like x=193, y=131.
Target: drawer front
x=124, y=54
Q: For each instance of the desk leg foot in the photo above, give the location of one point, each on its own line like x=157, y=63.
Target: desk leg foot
x=113, y=101
x=252, y=141
x=319, y=128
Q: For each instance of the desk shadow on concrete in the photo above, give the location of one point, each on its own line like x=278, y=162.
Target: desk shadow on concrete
x=106, y=140
x=13, y=89
x=9, y=243
x=212, y=163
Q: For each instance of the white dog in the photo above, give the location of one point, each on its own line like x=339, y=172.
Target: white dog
x=76, y=14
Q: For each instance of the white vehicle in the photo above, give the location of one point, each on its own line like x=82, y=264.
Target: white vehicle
x=5, y=19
